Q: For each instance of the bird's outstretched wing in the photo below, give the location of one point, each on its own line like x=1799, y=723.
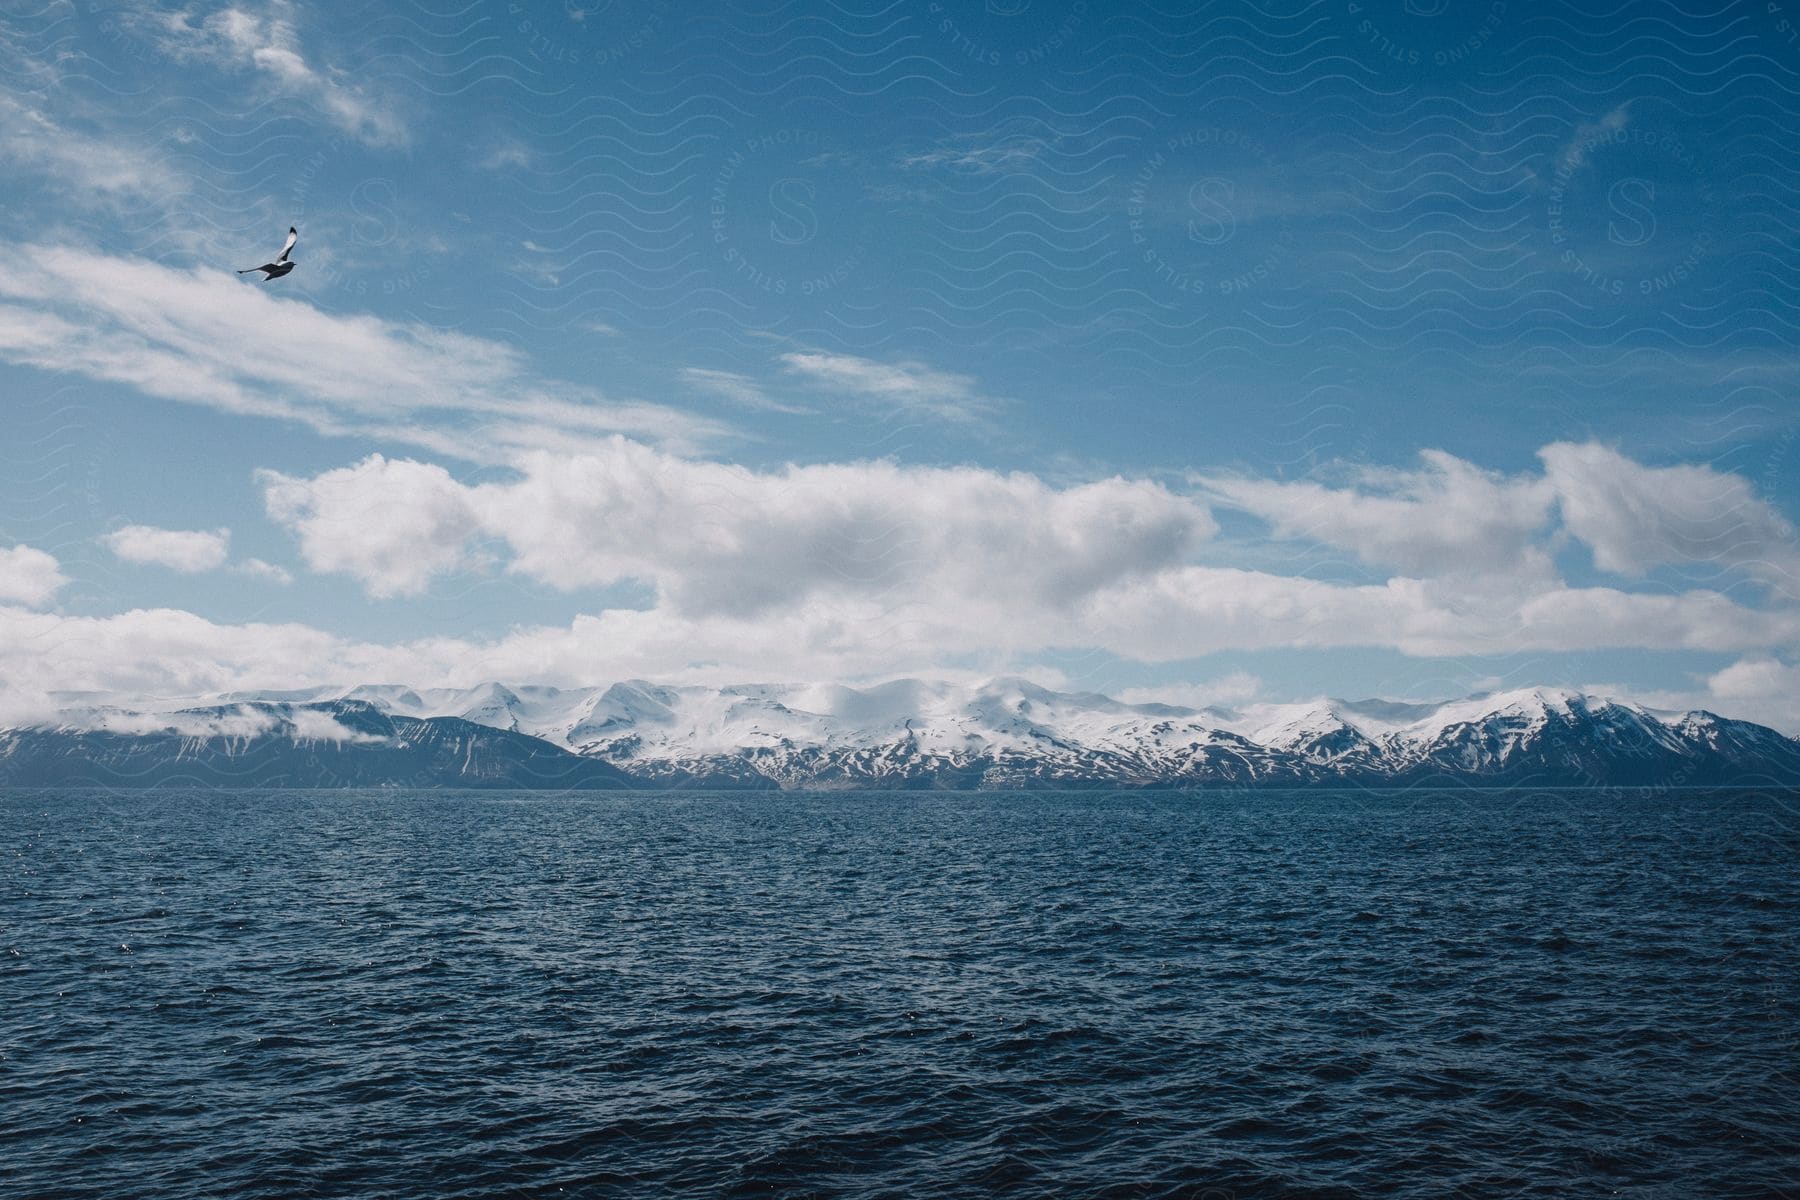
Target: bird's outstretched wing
x=293, y=236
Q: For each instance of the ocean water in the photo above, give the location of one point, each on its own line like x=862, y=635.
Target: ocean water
x=1278, y=994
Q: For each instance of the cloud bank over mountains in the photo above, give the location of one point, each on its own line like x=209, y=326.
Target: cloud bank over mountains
x=868, y=569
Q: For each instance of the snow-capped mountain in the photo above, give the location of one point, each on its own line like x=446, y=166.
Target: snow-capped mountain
x=916, y=733
x=287, y=743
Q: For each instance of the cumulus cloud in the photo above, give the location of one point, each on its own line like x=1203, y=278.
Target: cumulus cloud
x=1451, y=517
x=715, y=538
x=873, y=570
x=867, y=567
x=394, y=526
x=1636, y=517
x=1759, y=688
x=1447, y=516
x=265, y=41
x=189, y=551
x=29, y=576
x=205, y=337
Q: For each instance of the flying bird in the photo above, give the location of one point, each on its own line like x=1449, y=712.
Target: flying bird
x=281, y=266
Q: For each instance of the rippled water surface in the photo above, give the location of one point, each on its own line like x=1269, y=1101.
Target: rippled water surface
x=443, y=995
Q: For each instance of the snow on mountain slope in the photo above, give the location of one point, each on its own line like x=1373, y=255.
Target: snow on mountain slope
x=1011, y=731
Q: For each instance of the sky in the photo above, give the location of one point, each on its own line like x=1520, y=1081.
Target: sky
x=1213, y=354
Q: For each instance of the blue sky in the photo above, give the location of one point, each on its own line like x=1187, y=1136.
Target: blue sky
x=1231, y=353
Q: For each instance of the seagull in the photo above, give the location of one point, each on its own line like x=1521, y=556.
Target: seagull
x=281, y=266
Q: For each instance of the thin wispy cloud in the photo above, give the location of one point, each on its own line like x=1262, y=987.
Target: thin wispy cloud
x=740, y=390
x=205, y=337
x=981, y=153
x=506, y=154
x=905, y=387
x=1590, y=134
x=267, y=572
x=90, y=170
x=264, y=42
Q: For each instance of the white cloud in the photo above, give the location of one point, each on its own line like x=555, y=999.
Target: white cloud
x=206, y=337
x=1194, y=611
x=714, y=538
x=29, y=576
x=239, y=721
x=1758, y=688
x=1014, y=147
x=267, y=43
x=1172, y=615
x=92, y=170
x=1590, y=134
x=874, y=567
x=1448, y=516
x=1239, y=687
x=392, y=525
x=190, y=551
x=741, y=390
x=506, y=154
x=863, y=570
x=906, y=387
x=1636, y=517
x=256, y=568
x=859, y=568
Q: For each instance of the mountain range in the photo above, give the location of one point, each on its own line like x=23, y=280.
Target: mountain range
x=905, y=734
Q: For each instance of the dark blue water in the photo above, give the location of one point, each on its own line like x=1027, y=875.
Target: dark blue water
x=451, y=995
